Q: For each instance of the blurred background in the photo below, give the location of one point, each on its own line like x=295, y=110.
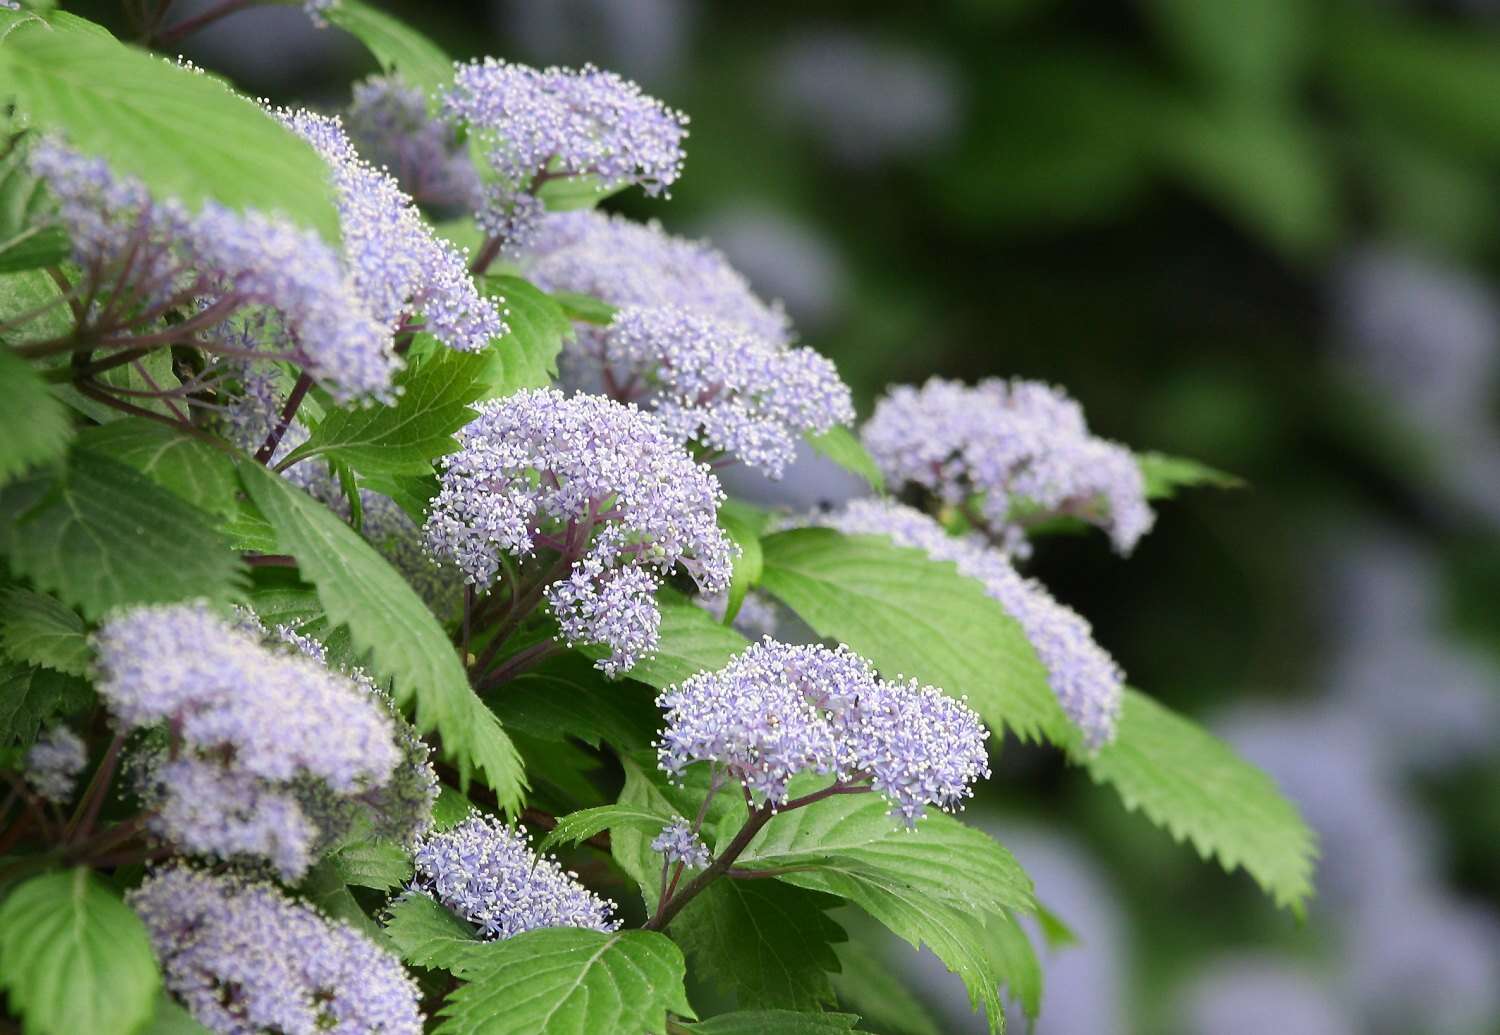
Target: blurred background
x=1261, y=233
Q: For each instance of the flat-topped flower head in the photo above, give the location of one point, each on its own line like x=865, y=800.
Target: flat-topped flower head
x=1019, y=450
x=399, y=265
x=488, y=874
x=626, y=263
x=678, y=844
x=777, y=710
x=736, y=395
x=244, y=958
x=1087, y=682
x=389, y=123
x=262, y=732
x=53, y=764
x=601, y=486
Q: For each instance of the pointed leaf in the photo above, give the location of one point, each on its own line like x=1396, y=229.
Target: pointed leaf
x=527, y=356
x=31, y=697
x=400, y=49
x=40, y=631
x=841, y=446
x=180, y=463
x=34, y=425
x=428, y=935
x=584, y=824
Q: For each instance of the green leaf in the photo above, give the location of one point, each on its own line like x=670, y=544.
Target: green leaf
x=1016, y=961
x=185, y=135
x=29, y=236
x=584, y=824
x=380, y=865
x=767, y=943
x=404, y=438
x=1251, y=50
x=172, y=1019
x=915, y=616
x=400, y=49
x=867, y=984
x=776, y=1022
x=691, y=642
x=40, y=631
x=527, y=356
x=1185, y=779
x=839, y=445
x=387, y=619
x=428, y=935
x=74, y=958
x=558, y=980
x=324, y=887
x=570, y=193
x=1164, y=475
x=744, y=531
x=34, y=426
x=585, y=308
x=97, y=535
x=182, y=464
x=31, y=697
x=567, y=696
x=33, y=292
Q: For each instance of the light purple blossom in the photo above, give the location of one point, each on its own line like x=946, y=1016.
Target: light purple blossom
x=245, y=958
x=776, y=710
x=1011, y=448
x=389, y=123
x=1086, y=680
x=677, y=843
x=205, y=808
x=713, y=383
x=600, y=486
x=489, y=875
x=53, y=764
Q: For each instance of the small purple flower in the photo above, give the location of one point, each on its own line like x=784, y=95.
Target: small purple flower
x=678, y=844
x=489, y=875
x=245, y=958
x=389, y=123
x=1008, y=447
x=53, y=764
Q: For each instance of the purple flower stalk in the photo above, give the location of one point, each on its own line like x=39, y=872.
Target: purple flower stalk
x=389, y=123
x=1086, y=680
x=53, y=764
x=244, y=958
x=489, y=875
x=677, y=843
x=776, y=711
x=1016, y=446
x=603, y=487
x=711, y=382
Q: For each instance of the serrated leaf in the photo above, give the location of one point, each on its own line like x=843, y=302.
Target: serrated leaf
x=1016, y=961
x=839, y=445
x=767, y=943
x=34, y=425
x=867, y=984
x=1164, y=475
x=527, y=356
x=400, y=49
x=567, y=696
x=776, y=1022
x=429, y=935
x=40, y=631
x=180, y=463
x=380, y=865
x=183, y=134
x=29, y=236
x=566, y=980
x=31, y=697
x=98, y=535
x=74, y=958
x=691, y=642
x=385, y=617
x=914, y=616
x=33, y=292
x=405, y=437
x=584, y=824
x=324, y=887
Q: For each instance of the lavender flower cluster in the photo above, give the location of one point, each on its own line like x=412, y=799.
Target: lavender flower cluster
x=53, y=764
x=1016, y=446
x=389, y=123
x=259, y=736
x=678, y=843
x=244, y=958
x=1086, y=680
x=777, y=710
x=602, y=484
x=489, y=875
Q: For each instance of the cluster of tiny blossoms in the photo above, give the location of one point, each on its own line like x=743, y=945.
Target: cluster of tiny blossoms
x=1086, y=680
x=489, y=875
x=540, y=124
x=1016, y=445
x=677, y=843
x=777, y=710
x=712, y=382
x=254, y=730
x=389, y=123
x=601, y=484
x=53, y=764
x=244, y=958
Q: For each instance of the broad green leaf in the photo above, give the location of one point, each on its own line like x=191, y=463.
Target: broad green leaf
x=914, y=616
x=34, y=425
x=32, y=292
x=776, y=1022
x=867, y=984
x=742, y=529
x=40, y=631
x=403, y=438
x=1164, y=475
x=172, y=1019
x=400, y=49
x=567, y=696
x=380, y=865
x=565, y=981
x=183, y=134
x=527, y=356
x=584, y=308
x=839, y=445
x=450, y=809
x=31, y=697
x=582, y=825
x=429, y=935
x=29, y=235
x=98, y=535
x=767, y=943
x=1185, y=779
x=74, y=958
x=691, y=642
x=1016, y=961
x=181, y=463
x=630, y=847
x=324, y=887
x=1252, y=50
x=386, y=618
x=574, y=192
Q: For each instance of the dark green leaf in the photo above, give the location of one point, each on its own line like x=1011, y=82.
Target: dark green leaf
x=776, y=1022
x=400, y=49
x=29, y=236
x=324, y=887
x=840, y=446
x=527, y=356
x=428, y=935
x=31, y=697
x=180, y=463
x=380, y=865
x=567, y=696
x=40, y=631
x=34, y=426
x=582, y=825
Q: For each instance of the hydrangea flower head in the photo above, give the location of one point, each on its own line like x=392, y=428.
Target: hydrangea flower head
x=53, y=764
x=244, y=958
x=1013, y=444
x=711, y=382
x=678, y=844
x=777, y=710
x=389, y=123
x=1086, y=680
x=489, y=875
x=602, y=485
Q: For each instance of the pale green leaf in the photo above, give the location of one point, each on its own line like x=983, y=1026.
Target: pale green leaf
x=40, y=631
x=1016, y=962
x=172, y=1019
x=400, y=49
x=29, y=235
x=585, y=308
x=527, y=356
x=1164, y=475
x=181, y=463
x=839, y=445
x=34, y=425
x=743, y=531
